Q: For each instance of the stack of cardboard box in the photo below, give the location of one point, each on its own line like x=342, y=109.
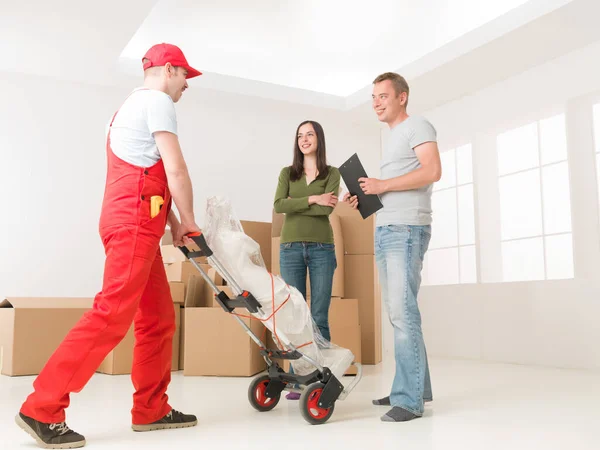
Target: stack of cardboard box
x=32, y=328
x=212, y=341
x=361, y=279
x=345, y=328
x=208, y=341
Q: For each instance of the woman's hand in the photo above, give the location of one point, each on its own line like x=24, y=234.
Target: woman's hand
x=329, y=199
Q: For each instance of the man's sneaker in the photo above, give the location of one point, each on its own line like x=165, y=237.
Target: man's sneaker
x=174, y=419
x=50, y=435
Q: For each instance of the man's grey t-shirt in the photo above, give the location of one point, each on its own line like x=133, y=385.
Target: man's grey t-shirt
x=399, y=158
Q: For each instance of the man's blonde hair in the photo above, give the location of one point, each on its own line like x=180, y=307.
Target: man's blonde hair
x=398, y=81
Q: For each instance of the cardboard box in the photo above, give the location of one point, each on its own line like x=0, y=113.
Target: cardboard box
x=275, y=269
x=337, y=289
x=214, y=276
x=359, y=233
x=177, y=291
x=343, y=312
x=193, y=288
x=171, y=254
x=167, y=238
x=277, y=224
x=344, y=325
x=261, y=233
x=208, y=297
x=31, y=329
x=217, y=345
x=194, y=294
x=362, y=283
x=181, y=272
x=185, y=272
x=120, y=360
x=200, y=295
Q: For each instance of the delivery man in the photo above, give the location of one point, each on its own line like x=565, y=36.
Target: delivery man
x=145, y=164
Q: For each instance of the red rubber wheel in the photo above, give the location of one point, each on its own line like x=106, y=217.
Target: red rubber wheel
x=309, y=405
x=258, y=397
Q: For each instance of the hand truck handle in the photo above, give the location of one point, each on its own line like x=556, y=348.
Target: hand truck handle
x=243, y=299
x=199, y=240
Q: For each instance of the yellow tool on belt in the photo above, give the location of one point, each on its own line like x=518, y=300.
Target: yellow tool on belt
x=156, y=202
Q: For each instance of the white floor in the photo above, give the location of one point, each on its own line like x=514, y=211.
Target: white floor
x=476, y=406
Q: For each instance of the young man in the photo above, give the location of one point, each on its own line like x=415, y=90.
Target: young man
x=410, y=165
x=144, y=161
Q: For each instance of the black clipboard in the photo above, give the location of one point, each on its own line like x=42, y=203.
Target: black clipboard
x=351, y=171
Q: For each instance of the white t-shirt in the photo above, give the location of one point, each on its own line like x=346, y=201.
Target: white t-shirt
x=144, y=112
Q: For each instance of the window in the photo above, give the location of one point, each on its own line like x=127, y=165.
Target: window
x=535, y=202
x=451, y=258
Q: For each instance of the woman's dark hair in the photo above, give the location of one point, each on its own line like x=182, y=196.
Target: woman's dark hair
x=297, y=168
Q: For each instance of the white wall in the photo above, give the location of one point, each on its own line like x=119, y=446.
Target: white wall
x=53, y=169
x=547, y=323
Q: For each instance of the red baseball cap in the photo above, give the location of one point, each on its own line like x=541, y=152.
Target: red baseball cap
x=161, y=54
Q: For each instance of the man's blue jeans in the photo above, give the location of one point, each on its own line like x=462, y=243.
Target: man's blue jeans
x=319, y=259
x=399, y=251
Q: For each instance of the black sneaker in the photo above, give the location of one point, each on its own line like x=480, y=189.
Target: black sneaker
x=174, y=419
x=50, y=435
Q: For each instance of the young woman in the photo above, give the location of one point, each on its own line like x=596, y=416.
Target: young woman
x=306, y=194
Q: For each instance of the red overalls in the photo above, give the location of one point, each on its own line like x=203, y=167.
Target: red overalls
x=134, y=289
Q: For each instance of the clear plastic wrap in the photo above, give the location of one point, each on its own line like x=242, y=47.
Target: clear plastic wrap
x=285, y=309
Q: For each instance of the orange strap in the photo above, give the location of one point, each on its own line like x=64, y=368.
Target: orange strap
x=273, y=314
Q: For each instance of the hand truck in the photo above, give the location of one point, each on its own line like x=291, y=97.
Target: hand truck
x=319, y=389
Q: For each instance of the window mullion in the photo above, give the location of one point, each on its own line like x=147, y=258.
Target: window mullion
x=542, y=200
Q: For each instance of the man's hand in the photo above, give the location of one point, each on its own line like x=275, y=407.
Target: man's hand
x=372, y=186
x=351, y=200
x=180, y=234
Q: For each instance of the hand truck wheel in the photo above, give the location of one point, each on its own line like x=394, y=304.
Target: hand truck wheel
x=309, y=401
x=257, y=396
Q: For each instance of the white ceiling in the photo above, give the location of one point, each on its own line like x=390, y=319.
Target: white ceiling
x=437, y=79
x=71, y=40
x=327, y=46
x=319, y=52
